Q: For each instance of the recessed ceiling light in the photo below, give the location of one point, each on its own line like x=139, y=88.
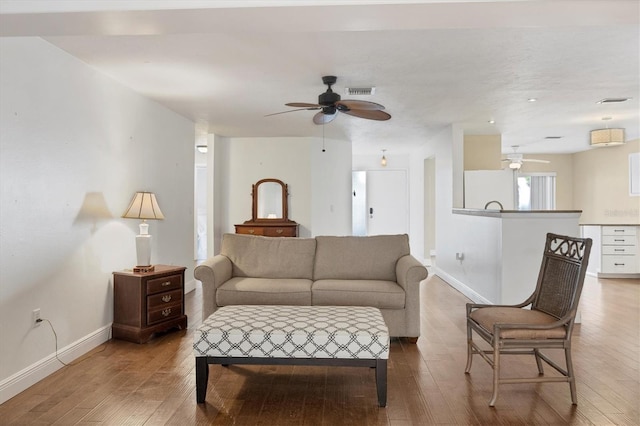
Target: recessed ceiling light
x=492, y=121
x=612, y=100
x=532, y=99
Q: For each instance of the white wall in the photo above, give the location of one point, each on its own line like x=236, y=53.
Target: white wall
x=319, y=183
x=67, y=131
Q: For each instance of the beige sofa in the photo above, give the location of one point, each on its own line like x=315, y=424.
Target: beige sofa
x=374, y=271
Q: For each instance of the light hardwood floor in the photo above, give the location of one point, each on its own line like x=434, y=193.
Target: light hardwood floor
x=122, y=383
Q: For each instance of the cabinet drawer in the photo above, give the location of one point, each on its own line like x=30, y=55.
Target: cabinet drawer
x=164, y=313
x=619, y=264
x=170, y=282
x=619, y=240
x=280, y=232
x=620, y=250
x=161, y=299
x=254, y=230
x=619, y=230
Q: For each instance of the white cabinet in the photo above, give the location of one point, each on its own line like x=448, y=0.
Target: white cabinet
x=620, y=254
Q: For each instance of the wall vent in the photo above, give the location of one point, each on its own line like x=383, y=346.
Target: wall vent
x=364, y=91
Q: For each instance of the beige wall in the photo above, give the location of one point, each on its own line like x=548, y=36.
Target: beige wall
x=601, y=185
x=562, y=165
x=482, y=152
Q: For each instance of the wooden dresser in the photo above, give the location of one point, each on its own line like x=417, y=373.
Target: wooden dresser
x=148, y=302
x=277, y=229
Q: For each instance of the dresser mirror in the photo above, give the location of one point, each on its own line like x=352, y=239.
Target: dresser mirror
x=269, y=200
x=269, y=211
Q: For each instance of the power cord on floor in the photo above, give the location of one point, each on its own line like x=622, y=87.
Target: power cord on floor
x=55, y=335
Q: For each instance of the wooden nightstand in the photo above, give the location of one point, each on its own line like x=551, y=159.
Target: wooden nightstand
x=148, y=302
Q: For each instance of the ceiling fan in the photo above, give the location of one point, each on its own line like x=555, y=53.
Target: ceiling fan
x=329, y=104
x=516, y=159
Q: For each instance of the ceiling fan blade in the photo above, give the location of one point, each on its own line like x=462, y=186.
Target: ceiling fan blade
x=532, y=160
x=322, y=118
x=362, y=105
x=368, y=114
x=303, y=105
x=291, y=110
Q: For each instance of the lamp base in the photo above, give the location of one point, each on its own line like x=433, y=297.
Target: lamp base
x=149, y=268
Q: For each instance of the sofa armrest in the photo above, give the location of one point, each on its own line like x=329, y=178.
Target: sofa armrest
x=409, y=272
x=213, y=272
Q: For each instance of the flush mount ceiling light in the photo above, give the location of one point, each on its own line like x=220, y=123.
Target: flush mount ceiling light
x=532, y=100
x=607, y=136
x=491, y=121
x=202, y=148
x=612, y=100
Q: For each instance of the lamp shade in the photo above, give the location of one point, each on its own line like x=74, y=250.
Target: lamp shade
x=607, y=137
x=143, y=206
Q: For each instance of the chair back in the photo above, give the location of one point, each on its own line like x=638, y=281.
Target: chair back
x=564, y=265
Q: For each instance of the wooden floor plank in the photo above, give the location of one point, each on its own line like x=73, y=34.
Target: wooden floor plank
x=154, y=384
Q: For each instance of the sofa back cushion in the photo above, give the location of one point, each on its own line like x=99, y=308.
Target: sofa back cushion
x=269, y=257
x=362, y=258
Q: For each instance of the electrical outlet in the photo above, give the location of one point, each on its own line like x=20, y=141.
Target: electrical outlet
x=35, y=316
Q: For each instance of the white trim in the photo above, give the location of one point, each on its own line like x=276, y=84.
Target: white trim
x=461, y=287
x=39, y=370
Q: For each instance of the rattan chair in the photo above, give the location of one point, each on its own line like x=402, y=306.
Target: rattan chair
x=546, y=324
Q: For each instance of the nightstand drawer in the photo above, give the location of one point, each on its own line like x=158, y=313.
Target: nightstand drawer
x=170, y=282
x=164, y=313
x=162, y=299
x=619, y=240
x=619, y=230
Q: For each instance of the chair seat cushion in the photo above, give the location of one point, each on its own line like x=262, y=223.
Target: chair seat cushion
x=264, y=291
x=487, y=317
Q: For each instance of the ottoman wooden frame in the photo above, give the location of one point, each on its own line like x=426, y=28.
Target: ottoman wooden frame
x=293, y=335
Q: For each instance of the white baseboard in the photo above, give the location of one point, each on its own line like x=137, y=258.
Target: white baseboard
x=31, y=375
x=189, y=286
x=461, y=287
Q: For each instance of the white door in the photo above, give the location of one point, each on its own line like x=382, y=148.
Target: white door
x=387, y=202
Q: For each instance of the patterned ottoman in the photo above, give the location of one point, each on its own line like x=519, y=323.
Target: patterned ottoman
x=296, y=335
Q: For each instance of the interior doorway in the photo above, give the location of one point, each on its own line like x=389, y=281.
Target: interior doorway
x=200, y=198
x=429, y=210
x=380, y=202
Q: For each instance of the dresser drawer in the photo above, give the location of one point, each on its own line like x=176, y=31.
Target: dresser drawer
x=280, y=232
x=619, y=264
x=158, y=285
x=619, y=240
x=163, y=299
x=254, y=230
x=164, y=313
x=619, y=230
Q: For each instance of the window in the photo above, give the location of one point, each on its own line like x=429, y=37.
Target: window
x=536, y=191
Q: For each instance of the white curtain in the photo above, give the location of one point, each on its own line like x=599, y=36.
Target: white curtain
x=543, y=192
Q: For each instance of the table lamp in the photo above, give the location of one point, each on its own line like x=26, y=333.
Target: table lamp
x=143, y=206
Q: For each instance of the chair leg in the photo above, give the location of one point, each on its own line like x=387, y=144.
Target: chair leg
x=536, y=353
x=571, y=376
x=469, y=350
x=496, y=372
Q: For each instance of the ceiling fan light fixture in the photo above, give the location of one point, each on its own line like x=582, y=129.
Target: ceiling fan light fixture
x=515, y=165
x=607, y=137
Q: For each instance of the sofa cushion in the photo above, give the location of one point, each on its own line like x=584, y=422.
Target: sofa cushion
x=359, y=258
x=379, y=294
x=269, y=257
x=264, y=291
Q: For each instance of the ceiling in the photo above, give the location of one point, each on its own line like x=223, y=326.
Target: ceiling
x=225, y=65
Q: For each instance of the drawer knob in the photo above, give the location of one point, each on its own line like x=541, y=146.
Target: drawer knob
x=166, y=298
x=279, y=231
x=166, y=312
x=252, y=231
x=166, y=283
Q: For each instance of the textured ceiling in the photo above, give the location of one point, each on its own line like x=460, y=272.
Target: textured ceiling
x=433, y=64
